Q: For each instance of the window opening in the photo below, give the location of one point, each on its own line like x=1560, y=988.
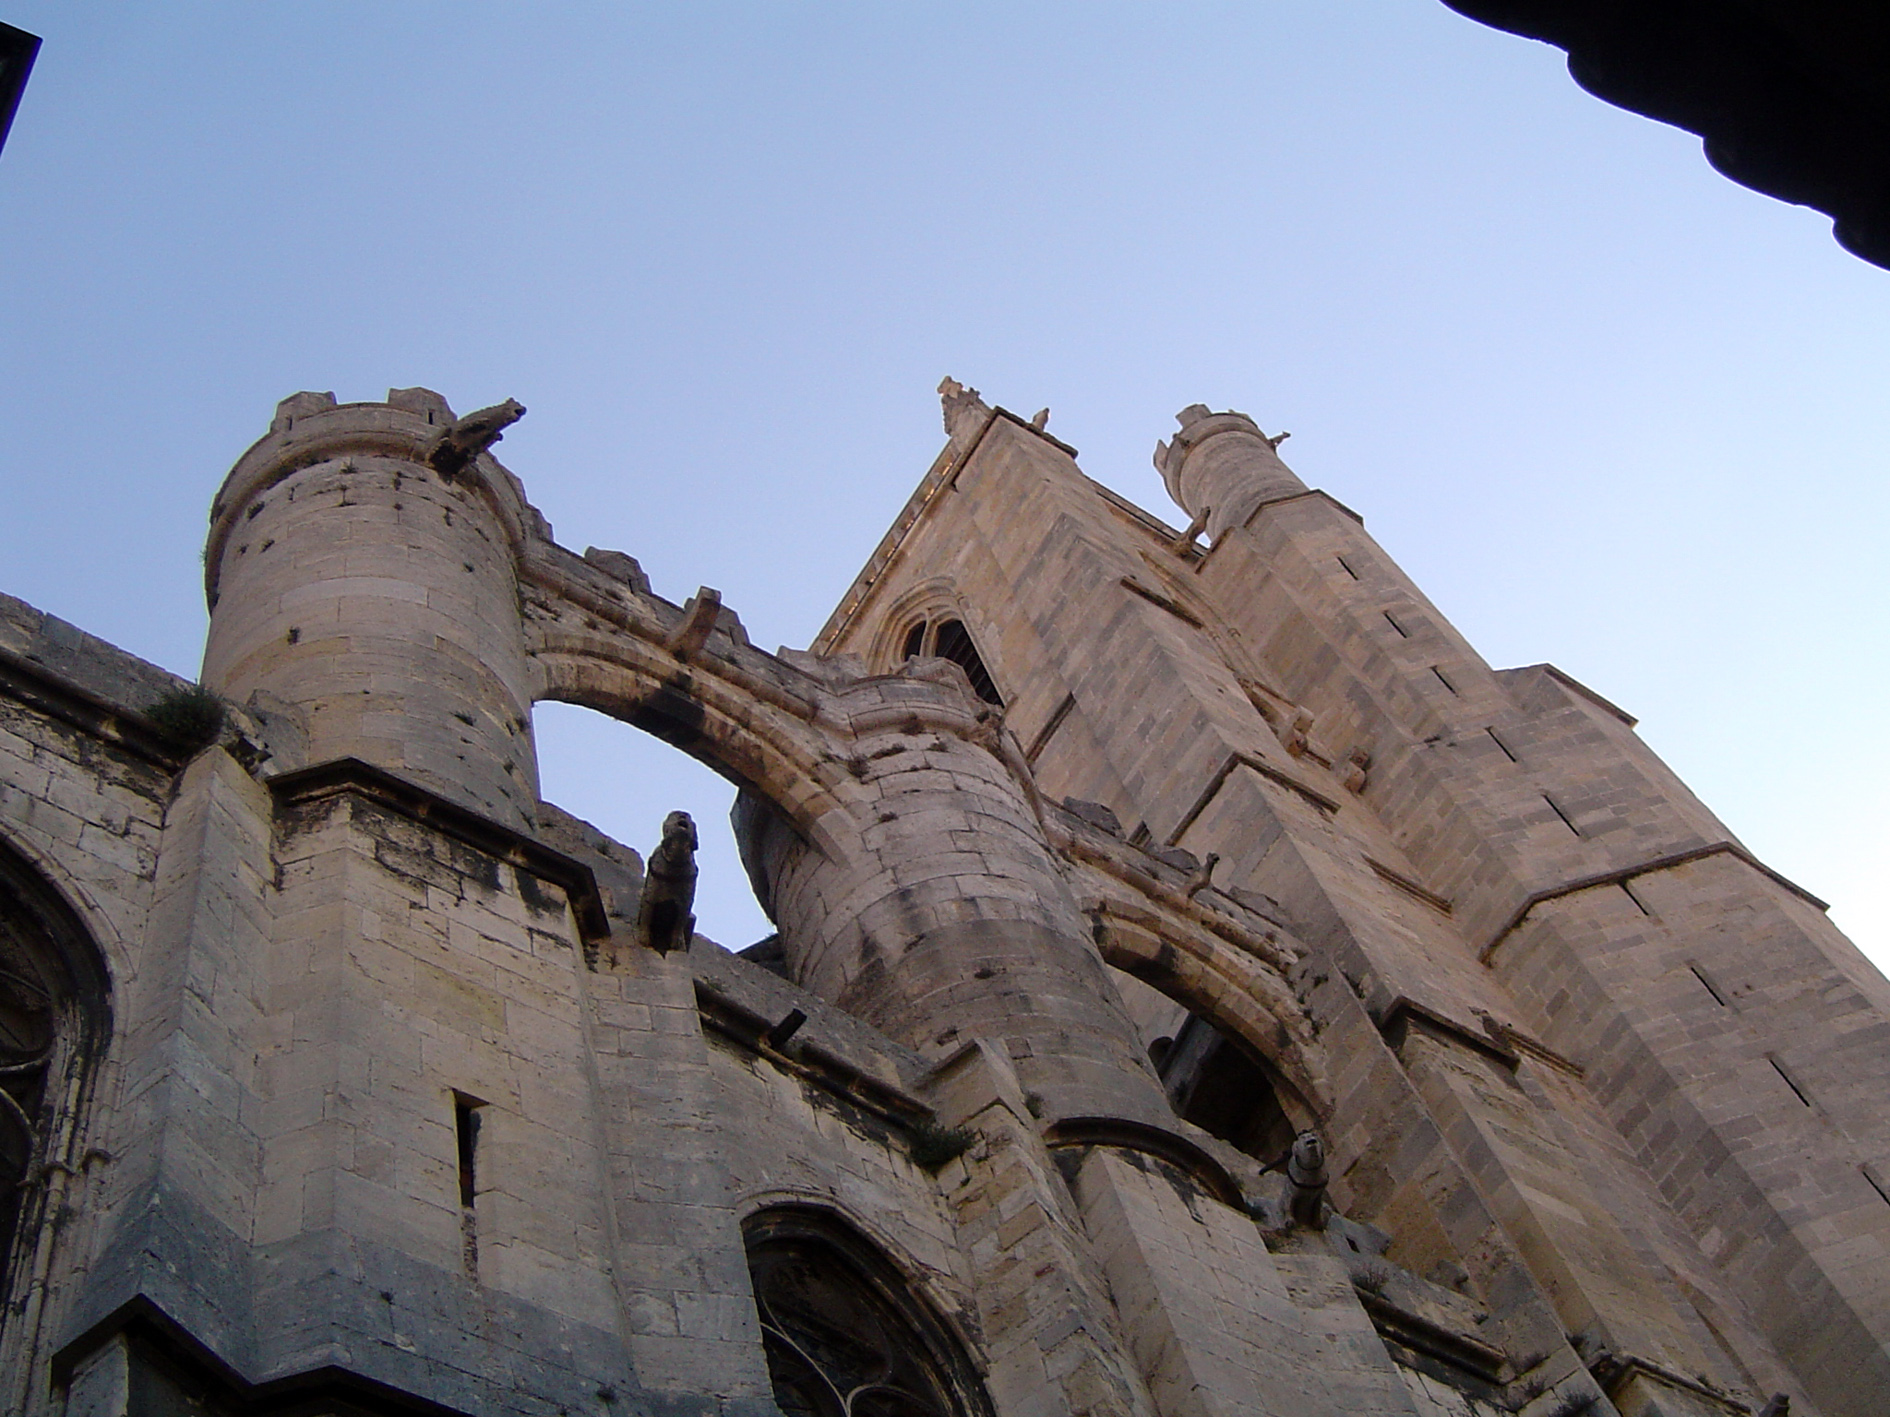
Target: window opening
x=1501, y=744
x=1553, y=807
x=466, y=1136
x=1797, y=1091
x=843, y=1334
x=915, y=641
x=1213, y=1082
x=1440, y=677
x=953, y=642
x=1391, y=621
x=1348, y=567
x=26, y=1039
x=54, y=1013
x=1212, y=1078
x=1707, y=984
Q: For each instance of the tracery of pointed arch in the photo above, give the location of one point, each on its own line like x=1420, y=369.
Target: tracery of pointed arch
x=915, y=608
x=54, y=1018
x=931, y=619
x=846, y=1329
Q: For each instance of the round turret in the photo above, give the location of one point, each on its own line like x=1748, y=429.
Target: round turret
x=358, y=586
x=942, y=916
x=1220, y=468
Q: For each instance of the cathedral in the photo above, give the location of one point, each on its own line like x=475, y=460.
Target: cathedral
x=1202, y=986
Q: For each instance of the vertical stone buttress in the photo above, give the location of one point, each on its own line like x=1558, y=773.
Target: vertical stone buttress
x=374, y=599
x=1605, y=907
x=937, y=913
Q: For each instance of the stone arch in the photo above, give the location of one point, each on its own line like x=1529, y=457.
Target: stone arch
x=55, y=1018
x=1229, y=990
x=759, y=747
x=847, y=1330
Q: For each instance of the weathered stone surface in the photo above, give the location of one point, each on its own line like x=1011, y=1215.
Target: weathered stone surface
x=390, y=1102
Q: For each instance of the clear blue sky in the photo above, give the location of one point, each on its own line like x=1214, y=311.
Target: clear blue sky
x=1608, y=409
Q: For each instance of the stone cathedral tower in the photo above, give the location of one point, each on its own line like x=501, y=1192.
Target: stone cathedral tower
x=1202, y=986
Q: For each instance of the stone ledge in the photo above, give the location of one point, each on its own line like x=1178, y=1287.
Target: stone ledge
x=149, y=1332
x=351, y=776
x=49, y=693
x=1622, y=875
x=808, y=1061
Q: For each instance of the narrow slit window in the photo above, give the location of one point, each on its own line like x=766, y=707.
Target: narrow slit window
x=953, y=642
x=1556, y=808
x=1347, y=567
x=1501, y=744
x=1786, y=1077
x=1708, y=985
x=1442, y=680
x=466, y=1134
x=1877, y=1184
x=1403, y=633
x=1639, y=904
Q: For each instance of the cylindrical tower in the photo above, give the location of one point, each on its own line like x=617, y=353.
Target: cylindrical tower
x=944, y=917
x=1222, y=466
x=377, y=598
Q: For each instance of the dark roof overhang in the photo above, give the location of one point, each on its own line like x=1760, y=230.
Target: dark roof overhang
x=1791, y=97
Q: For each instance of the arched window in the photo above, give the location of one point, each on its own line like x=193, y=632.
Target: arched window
x=915, y=641
x=26, y=1039
x=844, y=1334
x=52, y=992
x=949, y=639
x=953, y=642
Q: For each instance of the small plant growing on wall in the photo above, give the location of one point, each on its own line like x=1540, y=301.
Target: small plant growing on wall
x=190, y=718
x=1372, y=1276
x=933, y=1145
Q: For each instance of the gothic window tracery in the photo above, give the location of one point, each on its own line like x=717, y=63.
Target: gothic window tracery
x=949, y=639
x=26, y=1039
x=51, y=1007
x=844, y=1335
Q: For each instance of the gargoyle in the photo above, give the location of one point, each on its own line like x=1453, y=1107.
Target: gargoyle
x=1306, y=1181
x=472, y=435
x=664, y=918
